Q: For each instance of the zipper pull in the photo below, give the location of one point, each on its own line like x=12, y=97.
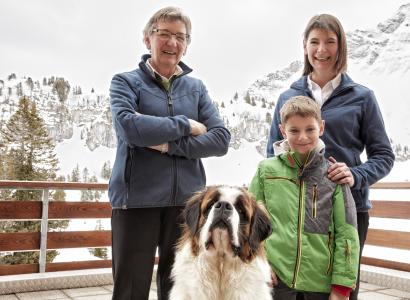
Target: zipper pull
x=169, y=100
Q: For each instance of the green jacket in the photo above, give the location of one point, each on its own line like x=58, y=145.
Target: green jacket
x=314, y=243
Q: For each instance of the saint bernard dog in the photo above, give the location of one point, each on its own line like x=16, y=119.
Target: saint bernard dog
x=220, y=255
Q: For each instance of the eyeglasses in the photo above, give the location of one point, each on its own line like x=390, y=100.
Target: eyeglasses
x=165, y=35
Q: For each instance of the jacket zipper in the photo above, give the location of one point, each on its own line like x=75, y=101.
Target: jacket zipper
x=314, y=200
x=299, y=237
x=300, y=218
x=348, y=254
x=329, y=247
x=174, y=161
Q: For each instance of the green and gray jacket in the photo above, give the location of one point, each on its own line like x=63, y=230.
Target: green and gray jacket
x=314, y=243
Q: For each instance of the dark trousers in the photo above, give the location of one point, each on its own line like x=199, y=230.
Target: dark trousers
x=136, y=234
x=282, y=292
x=362, y=227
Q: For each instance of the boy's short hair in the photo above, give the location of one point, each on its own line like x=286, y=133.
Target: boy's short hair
x=302, y=106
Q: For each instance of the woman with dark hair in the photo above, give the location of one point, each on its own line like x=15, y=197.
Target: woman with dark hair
x=353, y=119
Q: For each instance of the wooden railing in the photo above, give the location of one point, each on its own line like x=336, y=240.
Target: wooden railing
x=46, y=210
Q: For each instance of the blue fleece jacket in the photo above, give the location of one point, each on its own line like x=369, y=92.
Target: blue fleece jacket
x=353, y=123
x=142, y=177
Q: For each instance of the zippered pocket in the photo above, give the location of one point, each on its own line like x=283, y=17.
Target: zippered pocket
x=314, y=202
x=330, y=249
x=282, y=178
x=348, y=254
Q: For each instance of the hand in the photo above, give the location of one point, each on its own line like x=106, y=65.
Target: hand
x=163, y=148
x=274, y=279
x=340, y=173
x=336, y=296
x=197, y=128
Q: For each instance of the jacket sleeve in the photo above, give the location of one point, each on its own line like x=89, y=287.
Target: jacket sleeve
x=256, y=187
x=346, y=239
x=380, y=156
x=214, y=142
x=141, y=130
x=274, y=134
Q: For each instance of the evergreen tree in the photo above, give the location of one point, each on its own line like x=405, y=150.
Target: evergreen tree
x=61, y=87
x=106, y=170
x=75, y=174
x=268, y=118
x=29, y=155
x=99, y=252
x=247, y=98
x=235, y=97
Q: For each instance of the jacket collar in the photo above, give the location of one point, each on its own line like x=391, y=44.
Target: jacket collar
x=314, y=160
x=301, y=83
x=143, y=66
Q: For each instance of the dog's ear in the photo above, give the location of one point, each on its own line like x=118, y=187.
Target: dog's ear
x=261, y=227
x=192, y=212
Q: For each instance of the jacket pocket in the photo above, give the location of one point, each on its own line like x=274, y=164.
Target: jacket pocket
x=348, y=255
x=330, y=252
x=314, y=202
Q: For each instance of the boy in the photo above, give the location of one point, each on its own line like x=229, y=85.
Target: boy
x=314, y=247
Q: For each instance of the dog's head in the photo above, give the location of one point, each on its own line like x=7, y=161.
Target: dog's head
x=226, y=220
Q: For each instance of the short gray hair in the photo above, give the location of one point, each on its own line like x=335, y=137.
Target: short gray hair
x=169, y=14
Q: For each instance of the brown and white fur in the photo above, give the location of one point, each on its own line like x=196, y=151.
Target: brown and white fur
x=221, y=255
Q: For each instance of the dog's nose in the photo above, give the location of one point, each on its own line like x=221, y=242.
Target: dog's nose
x=223, y=207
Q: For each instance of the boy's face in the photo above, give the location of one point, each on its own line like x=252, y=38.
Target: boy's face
x=302, y=133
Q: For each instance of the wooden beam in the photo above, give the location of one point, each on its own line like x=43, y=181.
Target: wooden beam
x=51, y=185
x=19, y=241
x=391, y=209
x=20, y=210
x=78, y=239
x=391, y=185
x=388, y=238
x=73, y=210
x=18, y=269
x=78, y=265
x=385, y=264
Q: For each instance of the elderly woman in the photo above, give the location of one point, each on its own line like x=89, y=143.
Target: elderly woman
x=165, y=123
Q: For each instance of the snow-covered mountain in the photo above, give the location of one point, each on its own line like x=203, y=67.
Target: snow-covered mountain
x=81, y=123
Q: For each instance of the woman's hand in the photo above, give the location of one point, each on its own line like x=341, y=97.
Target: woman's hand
x=274, y=279
x=163, y=148
x=340, y=173
x=197, y=128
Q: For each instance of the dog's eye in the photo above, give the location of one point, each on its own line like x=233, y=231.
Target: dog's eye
x=242, y=214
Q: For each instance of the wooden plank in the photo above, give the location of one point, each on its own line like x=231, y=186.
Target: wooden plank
x=385, y=264
x=19, y=241
x=391, y=209
x=20, y=210
x=52, y=185
x=73, y=210
x=388, y=238
x=78, y=265
x=18, y=269
x=391, y=185
x=78, y=239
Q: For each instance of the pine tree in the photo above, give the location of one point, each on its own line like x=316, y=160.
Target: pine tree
x=62, y=88
x=29, y=155
x=106, y=170
x=247, y=98
x=75, y=174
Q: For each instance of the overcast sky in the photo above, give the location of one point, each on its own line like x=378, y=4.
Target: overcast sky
x=234, y=42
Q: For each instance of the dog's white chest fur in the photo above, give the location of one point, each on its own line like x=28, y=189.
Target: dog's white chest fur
x=218, y=277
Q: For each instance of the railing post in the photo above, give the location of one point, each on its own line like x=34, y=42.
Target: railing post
x=43, y=234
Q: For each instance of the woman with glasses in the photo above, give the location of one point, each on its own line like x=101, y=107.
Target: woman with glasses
x=353, y=119
x=165, y=123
